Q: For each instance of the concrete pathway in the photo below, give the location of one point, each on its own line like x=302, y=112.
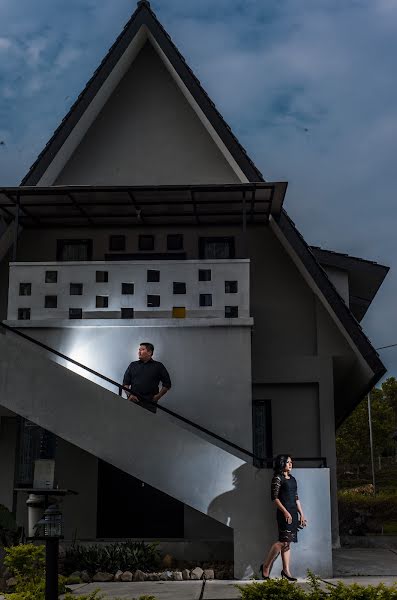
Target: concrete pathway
x=365, y=566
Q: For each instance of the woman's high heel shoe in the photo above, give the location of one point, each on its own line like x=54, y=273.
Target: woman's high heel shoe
x=261, y=573
x=285, y=576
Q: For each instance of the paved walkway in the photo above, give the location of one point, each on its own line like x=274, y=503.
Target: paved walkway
x=365, y=566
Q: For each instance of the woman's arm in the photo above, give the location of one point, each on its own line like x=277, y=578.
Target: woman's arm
x=300, y=511
x=285, y=512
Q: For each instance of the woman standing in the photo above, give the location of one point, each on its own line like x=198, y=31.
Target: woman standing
x=284, y=493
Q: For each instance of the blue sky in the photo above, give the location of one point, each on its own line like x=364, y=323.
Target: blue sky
x=308, y=87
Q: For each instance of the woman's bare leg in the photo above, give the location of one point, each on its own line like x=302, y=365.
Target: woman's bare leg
x=285, y=557
x=271, y=557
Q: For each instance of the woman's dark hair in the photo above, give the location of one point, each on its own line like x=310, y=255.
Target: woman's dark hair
x=280, y=463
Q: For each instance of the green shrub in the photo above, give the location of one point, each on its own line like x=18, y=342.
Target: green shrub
x=280, y=589
x=126, y=556
x=271, y=589
x=359, y=592
x=26, y=561
x=92, y=596
x=360, y=513
x=33, y=589
x=10, y=533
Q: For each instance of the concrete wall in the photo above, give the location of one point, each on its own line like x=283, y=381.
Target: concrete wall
x=131, y=272
x=209, y=368
x=150, y=132
x=203, y=475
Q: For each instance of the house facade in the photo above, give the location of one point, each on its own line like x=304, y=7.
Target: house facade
x=144, y=219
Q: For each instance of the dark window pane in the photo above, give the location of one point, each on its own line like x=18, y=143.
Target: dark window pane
x=230, y=287
x=179, y=287
x=117, y=243
x=75, y=313
x=153, y=301
x=25, y=289
x=153, y=275
x=72, y=250
x=23, y=314
x=216, y=248
x=102, y=301
x=204, y=274
x=76, y=289
x=146, y=242
x=127, y=288
x=102, y=276
x=51, y=276
x=127, y=313
x=231, y=312
x=175, y=241
x=50, y=302
x=205, y=299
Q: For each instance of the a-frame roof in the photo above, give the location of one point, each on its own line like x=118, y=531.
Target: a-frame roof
x=145, y=18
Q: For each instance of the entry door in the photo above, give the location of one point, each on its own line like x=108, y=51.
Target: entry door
x=128, y=507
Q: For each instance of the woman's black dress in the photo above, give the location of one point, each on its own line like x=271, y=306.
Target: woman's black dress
x=286, y=490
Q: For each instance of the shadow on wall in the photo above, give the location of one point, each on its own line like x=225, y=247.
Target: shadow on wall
x=248, y=509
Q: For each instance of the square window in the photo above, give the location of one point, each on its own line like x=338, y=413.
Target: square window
x=102, y=301
x=179, y=312
x=102, y=277
x=146, y=242
x=179, y=287
x=117, y=242
x=127, y=313
x=51, y=276
x=230, y=287
x=231, y=312
x=153, y=301
x=127, y=288
x=76, y=289
x=23, y=314
x=204, y=274
x=175, y=241
x=153, y=276
x=75, y=313
x=25, y=289
x=51, y=302
x=205, y=299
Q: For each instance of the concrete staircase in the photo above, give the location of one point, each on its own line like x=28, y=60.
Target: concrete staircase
x=158, y=450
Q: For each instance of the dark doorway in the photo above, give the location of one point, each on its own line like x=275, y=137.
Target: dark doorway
x=128, y=507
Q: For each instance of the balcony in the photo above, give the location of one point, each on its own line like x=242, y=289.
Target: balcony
x=129, y=292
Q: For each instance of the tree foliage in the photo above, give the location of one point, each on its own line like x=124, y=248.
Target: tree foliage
x=352, y=440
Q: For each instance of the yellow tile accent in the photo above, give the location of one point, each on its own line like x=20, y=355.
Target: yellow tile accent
x=179, y=312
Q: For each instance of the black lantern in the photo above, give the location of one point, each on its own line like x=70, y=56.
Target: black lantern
x=51, y=525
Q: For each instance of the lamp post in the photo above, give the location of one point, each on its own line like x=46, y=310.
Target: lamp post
x=50, y=528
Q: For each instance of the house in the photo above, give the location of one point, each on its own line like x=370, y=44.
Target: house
x=143, y=219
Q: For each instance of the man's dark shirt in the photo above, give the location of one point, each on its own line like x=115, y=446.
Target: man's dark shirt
x=144, y=378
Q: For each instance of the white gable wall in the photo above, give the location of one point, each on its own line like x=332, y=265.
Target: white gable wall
x=147, y=134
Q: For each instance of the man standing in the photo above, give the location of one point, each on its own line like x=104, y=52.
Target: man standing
x=143, y=377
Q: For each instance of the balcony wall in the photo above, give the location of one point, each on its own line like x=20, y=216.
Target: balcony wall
x=49, y=290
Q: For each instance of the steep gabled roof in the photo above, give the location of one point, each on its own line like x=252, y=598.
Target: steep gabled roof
x=145, y=17
x=142, y=17
x=365, y=277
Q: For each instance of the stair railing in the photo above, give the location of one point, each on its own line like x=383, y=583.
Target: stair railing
x=260, y=461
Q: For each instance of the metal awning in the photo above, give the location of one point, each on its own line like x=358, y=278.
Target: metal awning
x=98, y=206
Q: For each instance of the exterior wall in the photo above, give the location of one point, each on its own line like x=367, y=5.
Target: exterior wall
x=129, y=272
x=203, y=475
x=340, y=279
x=8, y=440
x=150, y=132
x=209, y=368
x=294, y=340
